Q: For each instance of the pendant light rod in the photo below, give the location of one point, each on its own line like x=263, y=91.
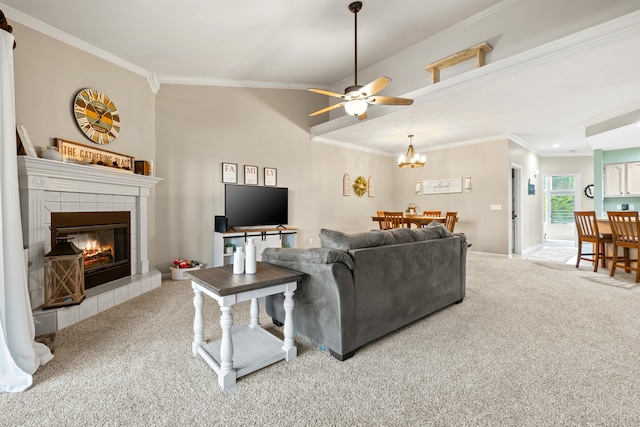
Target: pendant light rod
x=355, y=8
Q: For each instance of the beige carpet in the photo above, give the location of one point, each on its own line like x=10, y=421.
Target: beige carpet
x=533, y=343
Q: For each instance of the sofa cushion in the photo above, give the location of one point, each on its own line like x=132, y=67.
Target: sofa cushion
x=312, y=256
x=348, y=242
x=398, y=236
x=344, y=242
x=434, y=230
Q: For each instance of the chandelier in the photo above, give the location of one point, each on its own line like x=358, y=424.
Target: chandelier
x=411, y=159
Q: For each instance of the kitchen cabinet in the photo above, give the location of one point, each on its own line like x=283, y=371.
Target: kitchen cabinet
x=621, y=180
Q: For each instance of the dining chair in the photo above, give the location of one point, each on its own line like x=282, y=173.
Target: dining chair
x=381, y=221
x=393, y=220
x=429, y=214
x=588, y=232
x=624, y=226
x=450, y=219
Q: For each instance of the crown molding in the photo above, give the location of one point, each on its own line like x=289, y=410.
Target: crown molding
x=206, y=81
x=48, y=30
x=354, y=147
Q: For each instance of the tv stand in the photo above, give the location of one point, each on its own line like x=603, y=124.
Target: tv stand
x=263, y=238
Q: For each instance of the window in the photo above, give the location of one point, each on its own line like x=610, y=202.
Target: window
x=559, y=199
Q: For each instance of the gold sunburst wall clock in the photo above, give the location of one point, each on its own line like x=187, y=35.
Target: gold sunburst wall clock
x=97, y=116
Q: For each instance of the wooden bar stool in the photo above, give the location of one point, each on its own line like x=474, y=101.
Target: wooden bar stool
x=588, y=233
x=624, y=226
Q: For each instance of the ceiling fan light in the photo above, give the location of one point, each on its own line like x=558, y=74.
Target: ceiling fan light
x=355, y=107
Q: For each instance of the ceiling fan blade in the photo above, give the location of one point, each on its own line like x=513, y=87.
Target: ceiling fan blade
x=329, y=108
x=389, y=100
x=326, y=92
x=375, y=86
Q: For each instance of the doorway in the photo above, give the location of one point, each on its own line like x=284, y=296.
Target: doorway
x=561, y=197
x=515, y=232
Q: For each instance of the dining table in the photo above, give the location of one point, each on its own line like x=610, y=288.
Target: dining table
x=418, y=220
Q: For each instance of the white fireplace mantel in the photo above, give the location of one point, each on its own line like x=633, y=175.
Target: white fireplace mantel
x=50, y=175
x=48, y=186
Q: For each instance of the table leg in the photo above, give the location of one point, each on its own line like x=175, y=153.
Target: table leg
x=255, y=313
x=198, y=322
x=227, y=376
x=289, y=345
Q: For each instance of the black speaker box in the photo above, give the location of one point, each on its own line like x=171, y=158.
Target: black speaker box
x=221, y=224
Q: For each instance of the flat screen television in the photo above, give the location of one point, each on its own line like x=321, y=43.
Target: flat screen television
x=248, y=205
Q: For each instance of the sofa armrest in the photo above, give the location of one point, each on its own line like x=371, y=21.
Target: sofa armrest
x=324, y=303
x=312, y=256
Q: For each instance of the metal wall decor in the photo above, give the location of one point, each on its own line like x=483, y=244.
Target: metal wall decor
x=346, y=185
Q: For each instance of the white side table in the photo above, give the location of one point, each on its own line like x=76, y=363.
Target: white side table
x=247, y=349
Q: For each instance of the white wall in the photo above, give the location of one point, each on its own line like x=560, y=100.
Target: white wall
x=530, y=213
x=511, y=27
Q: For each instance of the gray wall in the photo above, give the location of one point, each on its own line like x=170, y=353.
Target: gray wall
x=189, y=130
x=198, y=128
x=488, y=166
x=49, y=74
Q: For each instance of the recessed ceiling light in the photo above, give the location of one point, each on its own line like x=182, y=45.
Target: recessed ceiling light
x=556, y=145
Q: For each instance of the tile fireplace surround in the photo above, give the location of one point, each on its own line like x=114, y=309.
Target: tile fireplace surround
x=48, y=186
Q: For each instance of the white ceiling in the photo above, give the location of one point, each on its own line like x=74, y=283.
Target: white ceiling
x=543, y=96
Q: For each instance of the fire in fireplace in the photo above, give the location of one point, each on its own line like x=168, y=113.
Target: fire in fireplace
x=104, y=238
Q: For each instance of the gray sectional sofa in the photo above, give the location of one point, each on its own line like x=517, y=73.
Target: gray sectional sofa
x=360, y=287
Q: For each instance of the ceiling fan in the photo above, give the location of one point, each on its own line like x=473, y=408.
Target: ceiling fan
x=356, y=98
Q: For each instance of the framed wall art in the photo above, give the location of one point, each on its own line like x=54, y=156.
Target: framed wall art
x=270, y=176
x=73, y=152
x=346, y=185
x=26, y=141
x=230, y=173
x=370, y=187
x=250, y=175
x=442, y=186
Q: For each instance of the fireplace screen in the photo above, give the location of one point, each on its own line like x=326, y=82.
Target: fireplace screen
x=104, y=238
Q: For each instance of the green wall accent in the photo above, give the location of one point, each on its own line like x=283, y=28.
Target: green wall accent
x=621, y=156
x=598, y=167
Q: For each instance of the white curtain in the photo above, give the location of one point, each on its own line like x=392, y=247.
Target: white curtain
x=20, y=355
